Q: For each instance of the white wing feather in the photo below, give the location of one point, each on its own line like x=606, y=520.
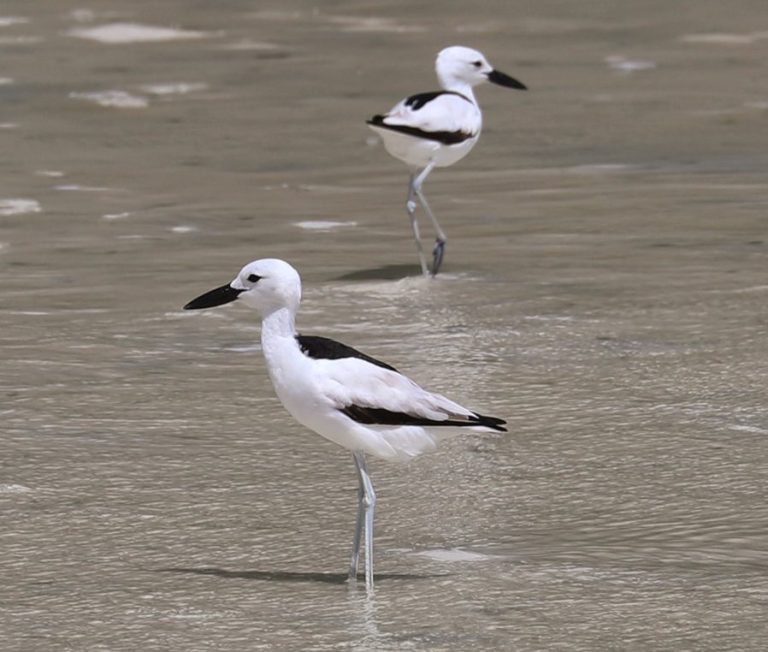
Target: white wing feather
x=357, y=382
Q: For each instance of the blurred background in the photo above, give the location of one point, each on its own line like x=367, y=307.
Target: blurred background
x=604, y=290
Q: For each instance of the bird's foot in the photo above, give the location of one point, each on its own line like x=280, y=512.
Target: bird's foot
x=437, y=256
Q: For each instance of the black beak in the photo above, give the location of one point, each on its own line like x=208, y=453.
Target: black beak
x=217, y=297
x=496, y=77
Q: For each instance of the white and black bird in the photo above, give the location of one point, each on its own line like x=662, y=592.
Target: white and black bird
x=437, y=129
x=354, y=400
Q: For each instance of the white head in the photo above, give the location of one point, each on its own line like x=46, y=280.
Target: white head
x=268, y=285
x=458, y=66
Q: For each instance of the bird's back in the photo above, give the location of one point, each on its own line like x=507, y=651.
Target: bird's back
x=440, y=127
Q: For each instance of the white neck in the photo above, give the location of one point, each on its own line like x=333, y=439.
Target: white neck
x=286, y=364
x=460, y=87
x=280, y=323
x=278, y=343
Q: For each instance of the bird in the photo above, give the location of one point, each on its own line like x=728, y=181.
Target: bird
x=356, y=401
x=437, y=129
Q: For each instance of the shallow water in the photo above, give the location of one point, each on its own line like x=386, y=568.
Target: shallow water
x=604, y=290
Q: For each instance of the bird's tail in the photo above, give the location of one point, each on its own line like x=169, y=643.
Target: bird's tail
x=494, y=423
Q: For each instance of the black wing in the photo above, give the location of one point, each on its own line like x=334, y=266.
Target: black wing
x=382, y=417
x=444, y=137
x=328, y=349
x=420, y=99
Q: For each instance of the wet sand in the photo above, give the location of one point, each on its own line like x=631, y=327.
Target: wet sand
x=604, y=290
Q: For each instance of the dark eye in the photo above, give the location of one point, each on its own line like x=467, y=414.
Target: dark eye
x=253, y=278
x=477, y=64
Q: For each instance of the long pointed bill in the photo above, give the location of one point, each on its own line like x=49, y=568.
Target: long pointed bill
x=497, y=77
x=217, y=297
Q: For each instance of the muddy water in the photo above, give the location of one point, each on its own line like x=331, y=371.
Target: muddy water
x=604, y=290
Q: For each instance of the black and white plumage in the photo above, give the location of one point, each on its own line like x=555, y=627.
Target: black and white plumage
x=324, y=348
x=437, y=129
x=346, y=396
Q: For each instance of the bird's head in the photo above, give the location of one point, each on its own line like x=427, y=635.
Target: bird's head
x=268, y=284
x=460, y=66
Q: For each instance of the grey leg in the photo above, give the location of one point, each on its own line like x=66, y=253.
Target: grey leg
x=365, y=510
x=410, y=206
x=358, y=527
x=439, y=249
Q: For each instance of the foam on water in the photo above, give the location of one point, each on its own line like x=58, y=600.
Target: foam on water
x=78, y=188
x=7, y=21
x=599, y=168
x=372, y=24
x=322, y=225
x=245, y=348
x=122, y=33
x=721, y=38
x=248, y=44
x=14, y=489
x=112, y=98
x=623, y=64
x=452, y=555
x=751, y=429
x=174, y=88
x=19, y=206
